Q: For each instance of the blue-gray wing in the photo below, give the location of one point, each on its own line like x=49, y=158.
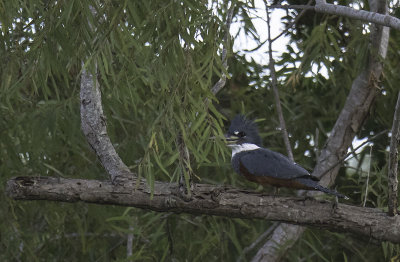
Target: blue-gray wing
x=264, y=162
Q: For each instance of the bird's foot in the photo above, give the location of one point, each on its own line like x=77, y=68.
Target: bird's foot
x=335, y=203
x=310, y=198
x=276, y=191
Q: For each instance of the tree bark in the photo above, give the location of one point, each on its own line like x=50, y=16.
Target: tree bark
x=225, y=201
x=393, y=161
x=94, y=126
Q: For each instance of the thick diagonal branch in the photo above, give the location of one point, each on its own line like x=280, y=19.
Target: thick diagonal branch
x=93, y=124
x=349, y=122
x=358, y=103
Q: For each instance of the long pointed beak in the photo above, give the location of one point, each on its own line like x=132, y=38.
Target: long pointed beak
x=230, y=140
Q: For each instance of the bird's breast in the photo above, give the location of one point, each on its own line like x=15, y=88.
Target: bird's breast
x=243, y=148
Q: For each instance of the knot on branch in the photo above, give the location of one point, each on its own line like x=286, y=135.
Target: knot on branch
x=215, y=194
x=85, y=102
x=25, y=181
x=184, y=193
x=123, y=178
x=170, y=202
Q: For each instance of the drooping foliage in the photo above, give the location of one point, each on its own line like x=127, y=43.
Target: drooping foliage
x=157, y=62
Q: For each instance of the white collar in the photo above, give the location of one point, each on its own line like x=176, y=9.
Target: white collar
x=243, y=147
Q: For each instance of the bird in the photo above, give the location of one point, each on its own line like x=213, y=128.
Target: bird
x=265, y=166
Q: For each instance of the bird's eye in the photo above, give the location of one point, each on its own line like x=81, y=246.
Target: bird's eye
x=241, y=134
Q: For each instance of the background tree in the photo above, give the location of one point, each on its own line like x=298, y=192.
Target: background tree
x=157, y=62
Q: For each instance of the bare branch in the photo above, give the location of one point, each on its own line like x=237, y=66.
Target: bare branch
x=269, y=248
x=357, y=106
x=366, y=16
x=370, y=223
x=393, y=161
x=300, y=7
x=93, y=125
x=276, y=93
x=280, y=234
x=379, y=19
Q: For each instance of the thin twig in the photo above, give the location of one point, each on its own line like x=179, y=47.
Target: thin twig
x=183, y=150
x=276, y=92
x=221, y=82
x=393, y=161
x=293, y=22
x=352, y=152
x=308, y=7
x=369, y=171
x=281, y=121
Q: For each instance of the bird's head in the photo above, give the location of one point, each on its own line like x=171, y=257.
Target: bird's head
x=242, y=131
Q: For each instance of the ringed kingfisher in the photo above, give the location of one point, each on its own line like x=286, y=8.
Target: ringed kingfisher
x=264, y=166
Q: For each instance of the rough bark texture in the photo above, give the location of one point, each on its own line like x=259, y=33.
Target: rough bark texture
x=393, y=161
x=213, y=200
x=287, y=234
x=358, y=103
x=93, y=124
x=380, y=19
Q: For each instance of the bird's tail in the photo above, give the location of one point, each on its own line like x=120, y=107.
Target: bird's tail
x=330, y=191
x=314, y=185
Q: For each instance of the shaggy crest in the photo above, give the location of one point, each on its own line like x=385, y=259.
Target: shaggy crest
x=240, y=124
